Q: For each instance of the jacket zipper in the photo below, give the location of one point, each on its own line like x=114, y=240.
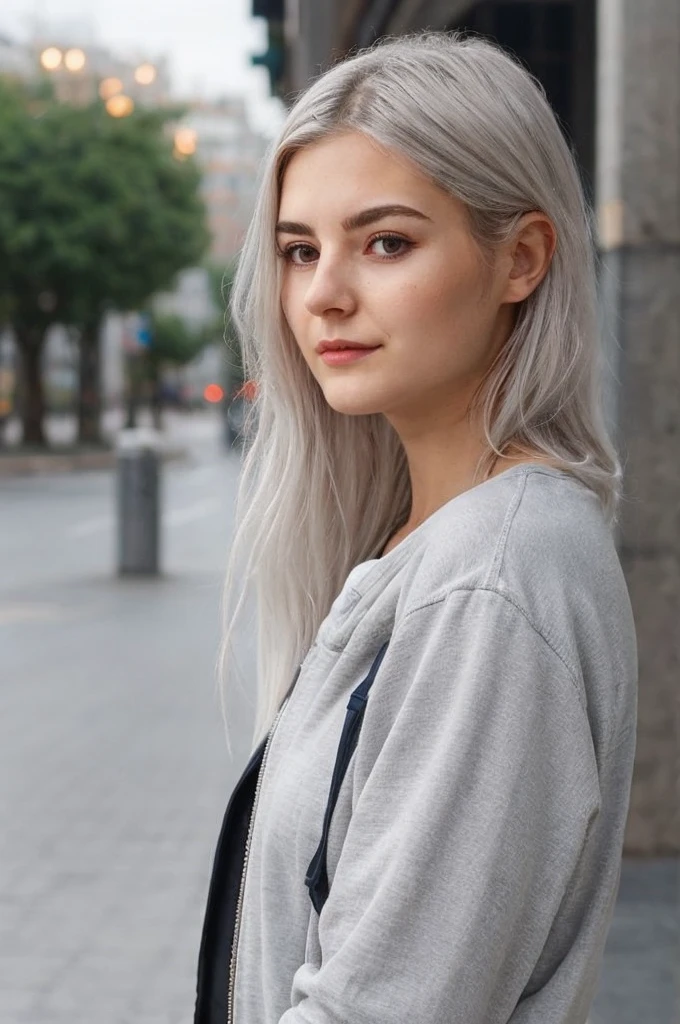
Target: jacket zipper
x=239, y=904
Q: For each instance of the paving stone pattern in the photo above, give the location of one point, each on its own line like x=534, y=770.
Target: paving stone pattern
x=113, y=781
x=113, y=766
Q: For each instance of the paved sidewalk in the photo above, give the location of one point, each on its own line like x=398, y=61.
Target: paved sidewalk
x=61, y=428
x=180, y=431
x=113, y=777
x=113, y=768
x=640, y=979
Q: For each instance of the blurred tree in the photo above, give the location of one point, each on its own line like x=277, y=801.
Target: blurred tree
x=173, y=344
x=95, y=214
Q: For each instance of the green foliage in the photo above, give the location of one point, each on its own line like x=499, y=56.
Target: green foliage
x=173, y=342
x=95, y=212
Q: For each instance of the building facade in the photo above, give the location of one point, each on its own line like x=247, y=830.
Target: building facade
x=612, y=72
x=229, y=152
x=16, y=60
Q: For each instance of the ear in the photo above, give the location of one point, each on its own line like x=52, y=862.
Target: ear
x=531, y=250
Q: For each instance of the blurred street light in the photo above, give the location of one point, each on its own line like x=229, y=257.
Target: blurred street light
x=185, y=142
x=145, y=74
x=51, y=58
x=74, y=60
x=109, y=87
x=119, y=105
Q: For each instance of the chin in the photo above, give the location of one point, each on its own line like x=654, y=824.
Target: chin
x=352, y=400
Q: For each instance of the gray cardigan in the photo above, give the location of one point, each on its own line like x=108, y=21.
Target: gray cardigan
x=475, y=849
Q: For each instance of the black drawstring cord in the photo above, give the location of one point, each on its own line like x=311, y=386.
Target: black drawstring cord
x=317, y=874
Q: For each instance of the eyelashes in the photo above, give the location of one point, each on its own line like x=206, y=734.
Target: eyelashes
x=309, y=254
x=289, y=253
x=403, y=243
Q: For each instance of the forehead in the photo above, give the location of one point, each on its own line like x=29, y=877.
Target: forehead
x=351, y=171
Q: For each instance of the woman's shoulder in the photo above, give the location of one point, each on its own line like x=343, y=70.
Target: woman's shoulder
x=531, y=521
x=536, y=540
x=536, y=536
x=550, y=523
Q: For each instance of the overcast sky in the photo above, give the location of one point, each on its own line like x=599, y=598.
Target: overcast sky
x=208, y=43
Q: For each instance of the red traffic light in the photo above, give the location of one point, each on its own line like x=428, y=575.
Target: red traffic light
x=213, y=393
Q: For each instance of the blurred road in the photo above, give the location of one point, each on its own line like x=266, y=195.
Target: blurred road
x=113, y=767
x=114, y=772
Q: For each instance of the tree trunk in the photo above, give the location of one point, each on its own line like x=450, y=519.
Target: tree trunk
x=31, y=342
x=156, y=395
x=89, y=386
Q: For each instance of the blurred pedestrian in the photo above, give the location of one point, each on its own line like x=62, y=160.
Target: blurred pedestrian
x=430, y=828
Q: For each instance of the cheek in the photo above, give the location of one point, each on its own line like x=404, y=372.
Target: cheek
x=435, y=302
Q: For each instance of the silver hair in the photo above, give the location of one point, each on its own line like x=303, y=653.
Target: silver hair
x=321, y=491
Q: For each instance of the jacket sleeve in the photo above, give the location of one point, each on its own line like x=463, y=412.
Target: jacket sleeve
x=475, y=784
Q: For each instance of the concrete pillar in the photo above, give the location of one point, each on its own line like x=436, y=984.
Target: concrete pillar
x=638, y=205
x=139, y=503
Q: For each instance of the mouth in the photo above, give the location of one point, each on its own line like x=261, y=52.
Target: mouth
x=339, y=353
x=341, y=344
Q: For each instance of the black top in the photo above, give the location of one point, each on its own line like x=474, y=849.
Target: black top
x=220, y=915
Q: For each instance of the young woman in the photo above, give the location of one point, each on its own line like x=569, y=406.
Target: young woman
x=425, y=514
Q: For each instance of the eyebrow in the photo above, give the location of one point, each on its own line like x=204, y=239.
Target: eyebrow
x=357, y=220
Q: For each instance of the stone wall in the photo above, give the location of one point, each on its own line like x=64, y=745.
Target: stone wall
x=638, y=192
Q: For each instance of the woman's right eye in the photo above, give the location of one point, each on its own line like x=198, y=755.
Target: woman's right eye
x=300, y=254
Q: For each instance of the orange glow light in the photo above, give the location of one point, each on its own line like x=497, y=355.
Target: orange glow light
x=109, y=87
x=213, y=393
x=119, y=105
x=145, y=74
x=51, y=58
x=75, y=60
x=185, y=141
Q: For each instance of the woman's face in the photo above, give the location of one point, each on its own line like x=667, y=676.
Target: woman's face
x=375, y=254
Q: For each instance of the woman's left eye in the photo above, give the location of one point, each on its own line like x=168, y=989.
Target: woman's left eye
x=390, y=245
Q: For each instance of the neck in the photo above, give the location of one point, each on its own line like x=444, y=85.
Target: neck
x=442, y=464
x=443, y=459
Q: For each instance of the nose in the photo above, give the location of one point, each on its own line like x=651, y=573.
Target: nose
x=330, y=288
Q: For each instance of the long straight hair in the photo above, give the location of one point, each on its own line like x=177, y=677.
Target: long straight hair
x=321, y=491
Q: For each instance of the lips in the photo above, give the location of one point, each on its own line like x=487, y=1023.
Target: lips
x=341, y=344
x=347, y=356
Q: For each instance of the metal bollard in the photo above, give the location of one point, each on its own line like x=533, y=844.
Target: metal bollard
x=139, y=505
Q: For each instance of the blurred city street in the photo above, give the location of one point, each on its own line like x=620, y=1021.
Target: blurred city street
x=114, y=771
x=132, y=142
